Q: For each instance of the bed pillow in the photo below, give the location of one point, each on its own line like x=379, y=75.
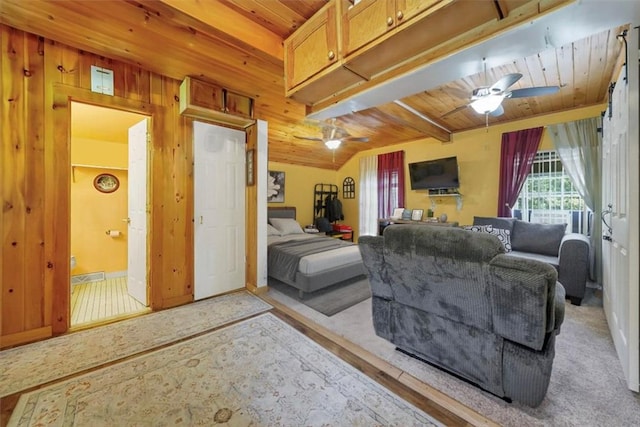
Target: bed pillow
x=272, y=231
x=504, y=235
x=286, y=226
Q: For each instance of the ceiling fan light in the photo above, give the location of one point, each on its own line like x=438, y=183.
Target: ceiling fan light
x=487, y=104
x=332, y=144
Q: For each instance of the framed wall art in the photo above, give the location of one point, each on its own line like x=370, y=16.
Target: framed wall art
x=250, y=167
x=106, y=183
x=275, y=187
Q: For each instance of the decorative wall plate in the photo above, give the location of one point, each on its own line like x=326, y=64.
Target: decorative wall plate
x=106, y=183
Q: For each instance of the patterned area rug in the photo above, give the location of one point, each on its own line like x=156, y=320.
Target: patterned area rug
x=260, y=371
x=33, y=364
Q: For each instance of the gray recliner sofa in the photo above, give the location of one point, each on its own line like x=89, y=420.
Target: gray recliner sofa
x=453, y=298
x=568, y=253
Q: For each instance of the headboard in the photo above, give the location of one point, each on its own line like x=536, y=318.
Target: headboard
x=281, y=212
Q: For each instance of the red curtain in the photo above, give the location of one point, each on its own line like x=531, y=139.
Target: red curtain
x=516, y=156
x=390, y=183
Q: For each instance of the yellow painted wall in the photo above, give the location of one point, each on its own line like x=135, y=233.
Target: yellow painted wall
x=93, y=212
x=299, y=185
x=100, y=153
x=478, y=153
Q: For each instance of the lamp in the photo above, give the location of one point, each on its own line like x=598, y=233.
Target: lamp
x=487, y=104
x=332, y=144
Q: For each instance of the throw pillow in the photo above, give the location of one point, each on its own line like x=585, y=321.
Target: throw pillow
x=286, y=226
x=502, y=234
x=272, y=231
x=497, y=222
x=541, y=239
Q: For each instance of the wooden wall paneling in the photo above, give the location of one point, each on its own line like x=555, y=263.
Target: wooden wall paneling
x=175, y=179
x=13, y=209
x=251, y=216
x=155, y=192
x=3, y=147
x=58, y=156
x=52, y=76
x=35, y=178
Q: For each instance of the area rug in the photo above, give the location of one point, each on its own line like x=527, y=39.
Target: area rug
x=587, y=385
x=260, y=371
x=331, y=300
x=33, y=364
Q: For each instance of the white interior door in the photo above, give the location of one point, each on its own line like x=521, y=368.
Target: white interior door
x=219, y=209
x=137, y=210
x=620, y=246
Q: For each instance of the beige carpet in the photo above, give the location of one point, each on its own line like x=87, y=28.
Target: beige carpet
x=33, y=364
x=586, y=388
x=260, y=371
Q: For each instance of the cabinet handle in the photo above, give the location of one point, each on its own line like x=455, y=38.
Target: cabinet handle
x=400, y=15
x=331, y=54
x=389, y=21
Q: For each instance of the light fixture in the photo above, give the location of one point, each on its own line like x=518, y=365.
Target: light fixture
x=332, y=144
x=487, y=104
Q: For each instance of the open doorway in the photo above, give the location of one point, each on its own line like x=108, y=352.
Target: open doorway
x=105, y=232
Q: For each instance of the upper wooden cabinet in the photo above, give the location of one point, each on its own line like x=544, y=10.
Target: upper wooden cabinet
x=208, y=101
x=417, y=27
x=370, y=19
x=312, y=59
x=345, y=48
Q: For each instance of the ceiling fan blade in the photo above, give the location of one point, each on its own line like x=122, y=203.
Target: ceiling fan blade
x=308, y=138
x=534, y=91
x=498, y=111
x=356, y=139
x=504, y=83
x=455, y=110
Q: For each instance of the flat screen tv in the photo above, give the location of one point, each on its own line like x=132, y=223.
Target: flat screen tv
x=434, y=174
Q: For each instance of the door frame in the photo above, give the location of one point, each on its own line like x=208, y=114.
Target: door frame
x=57, y=201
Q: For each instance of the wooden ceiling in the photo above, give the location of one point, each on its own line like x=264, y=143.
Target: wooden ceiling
x=238, y=44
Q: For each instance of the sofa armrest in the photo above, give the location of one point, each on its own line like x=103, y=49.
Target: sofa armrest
x=573, y=264
x=558, y=305
x=523, y=294
x=371, y=249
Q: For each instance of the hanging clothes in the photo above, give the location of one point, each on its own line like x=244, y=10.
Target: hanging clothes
x=333, y=209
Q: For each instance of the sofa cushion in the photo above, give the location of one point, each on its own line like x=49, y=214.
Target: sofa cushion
x=497, y=222
x=542, y=239
x=502, y=234
x=549, y=259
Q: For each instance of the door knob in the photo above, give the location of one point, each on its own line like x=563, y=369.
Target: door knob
x=389, y=21
x=127, y=220
x=201, y=219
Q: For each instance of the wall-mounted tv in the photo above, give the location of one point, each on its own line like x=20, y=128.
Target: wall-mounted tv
x=434, y=174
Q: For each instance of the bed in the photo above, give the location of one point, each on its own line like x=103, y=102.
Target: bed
x=308, y=262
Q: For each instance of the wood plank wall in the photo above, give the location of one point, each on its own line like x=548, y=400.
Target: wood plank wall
x=39, y=79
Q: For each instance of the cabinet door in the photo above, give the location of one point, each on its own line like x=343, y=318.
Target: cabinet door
x=407, y=9
x=365, y=22
x=313, y=47
x=205, y=95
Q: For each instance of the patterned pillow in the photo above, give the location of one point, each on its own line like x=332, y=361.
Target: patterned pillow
x=503, y=235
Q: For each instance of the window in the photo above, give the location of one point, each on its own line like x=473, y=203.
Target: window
x=548, y=196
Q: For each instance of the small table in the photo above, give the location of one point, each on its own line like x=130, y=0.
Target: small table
x=342, y=235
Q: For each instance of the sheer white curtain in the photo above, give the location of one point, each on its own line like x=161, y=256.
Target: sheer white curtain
x=368, y=196
x=579, y=146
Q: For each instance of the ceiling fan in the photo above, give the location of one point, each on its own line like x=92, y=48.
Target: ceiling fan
x=333, y=135
x=487, y=100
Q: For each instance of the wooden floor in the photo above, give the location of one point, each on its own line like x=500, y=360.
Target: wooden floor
x=97, y=301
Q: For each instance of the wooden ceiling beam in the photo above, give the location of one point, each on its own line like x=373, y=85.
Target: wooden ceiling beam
x=236, y=28
x=406, y=117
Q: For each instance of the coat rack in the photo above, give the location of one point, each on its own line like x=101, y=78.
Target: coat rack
x=320, y=194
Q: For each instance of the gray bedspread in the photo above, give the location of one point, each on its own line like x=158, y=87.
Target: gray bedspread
x=284, y=257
